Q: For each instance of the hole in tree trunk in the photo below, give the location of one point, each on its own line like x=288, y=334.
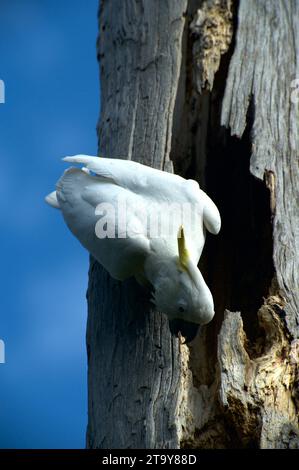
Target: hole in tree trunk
x=238, y=261
x=237, y=264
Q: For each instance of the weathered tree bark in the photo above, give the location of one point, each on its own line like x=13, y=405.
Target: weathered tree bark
x=204, y=86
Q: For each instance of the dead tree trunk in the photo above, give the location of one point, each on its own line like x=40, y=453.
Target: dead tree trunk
x=204, y=86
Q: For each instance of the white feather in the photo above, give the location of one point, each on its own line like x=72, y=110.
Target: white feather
x=142, y=188
x=51, y=199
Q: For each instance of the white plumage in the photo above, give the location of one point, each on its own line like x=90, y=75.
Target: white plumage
x=165, y=259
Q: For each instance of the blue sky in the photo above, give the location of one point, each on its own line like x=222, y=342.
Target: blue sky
x=48, y=63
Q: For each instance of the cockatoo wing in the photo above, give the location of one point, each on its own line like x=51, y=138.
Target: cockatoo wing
x=78, y=195
x=134, y=176
x=205, y=215
x=152, y=186
x=210, y=214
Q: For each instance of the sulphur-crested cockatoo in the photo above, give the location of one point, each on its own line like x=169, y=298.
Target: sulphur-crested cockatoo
x=142, y=222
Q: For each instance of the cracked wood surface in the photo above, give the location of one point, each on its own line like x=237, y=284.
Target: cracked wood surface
x=134, y=363
x=264, y=63
x=258, y=394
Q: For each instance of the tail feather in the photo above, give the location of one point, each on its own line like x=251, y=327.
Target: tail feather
x=51, y=199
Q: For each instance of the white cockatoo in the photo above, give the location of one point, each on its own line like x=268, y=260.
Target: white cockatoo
x=142, y=222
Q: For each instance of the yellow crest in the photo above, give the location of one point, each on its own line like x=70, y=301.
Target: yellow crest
x=183, y=252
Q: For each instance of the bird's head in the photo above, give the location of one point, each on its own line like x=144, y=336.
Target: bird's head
x=181, y=291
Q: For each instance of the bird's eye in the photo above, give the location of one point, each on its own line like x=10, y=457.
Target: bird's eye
x=181, y=309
